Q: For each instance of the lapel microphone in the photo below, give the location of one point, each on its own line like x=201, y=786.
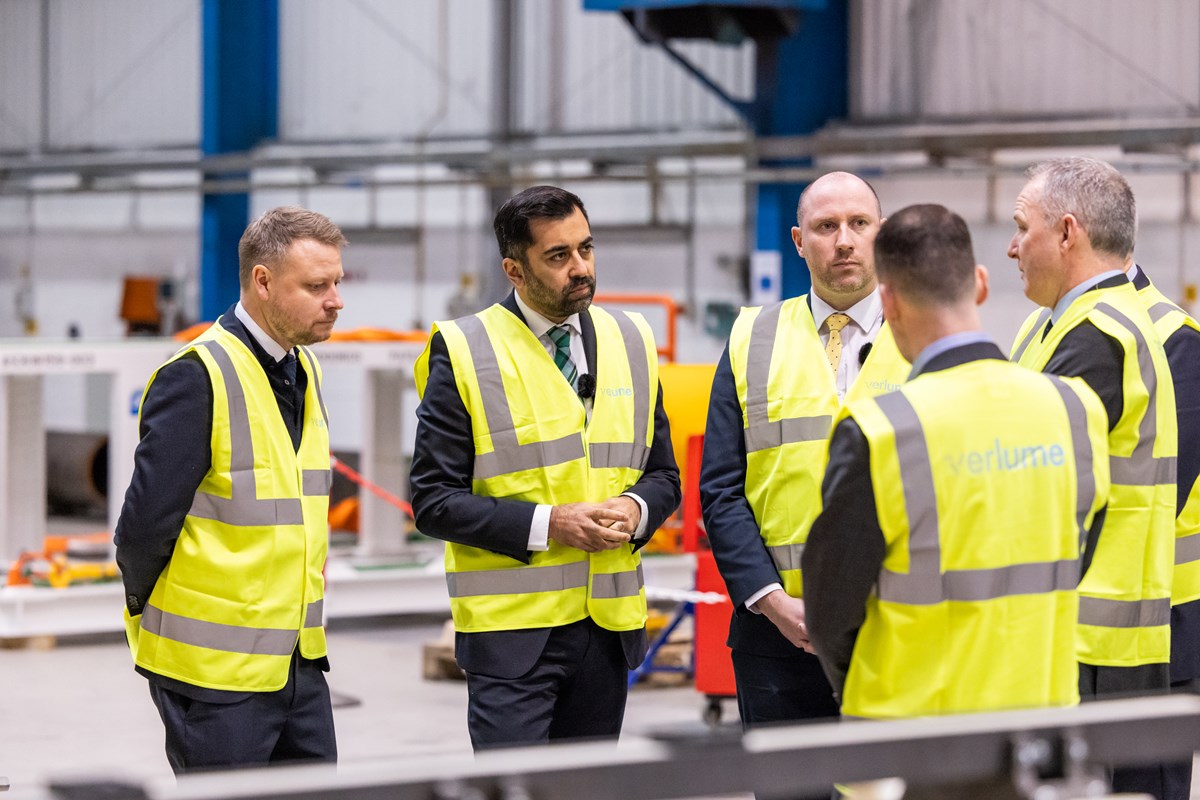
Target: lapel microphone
x=585, y=387
x=863, y=353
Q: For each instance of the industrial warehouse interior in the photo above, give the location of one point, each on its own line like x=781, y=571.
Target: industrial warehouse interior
x=140, y=138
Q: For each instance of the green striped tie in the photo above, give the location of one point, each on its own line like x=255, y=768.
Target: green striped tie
x=561, y=336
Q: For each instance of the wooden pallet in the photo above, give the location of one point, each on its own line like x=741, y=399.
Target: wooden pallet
x=28, y=642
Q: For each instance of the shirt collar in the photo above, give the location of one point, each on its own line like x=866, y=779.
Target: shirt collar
x=268, y=344
x=1063, y=304
x=943, y=344
x=539, y=324
x=864, y=313
x=1132, y=272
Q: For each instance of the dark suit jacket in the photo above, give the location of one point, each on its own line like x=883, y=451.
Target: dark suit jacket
x=445, y=507
x=1183, y=355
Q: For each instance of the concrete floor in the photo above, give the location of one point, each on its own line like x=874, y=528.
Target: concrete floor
x=80, y=709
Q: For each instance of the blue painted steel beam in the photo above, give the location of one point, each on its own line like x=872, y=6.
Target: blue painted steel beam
x=240, y=109
x=805, y=84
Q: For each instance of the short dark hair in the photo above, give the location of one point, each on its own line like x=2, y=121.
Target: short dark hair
x=267, y=239
x=924, y=252
x=1096, y=194
x=538, y=202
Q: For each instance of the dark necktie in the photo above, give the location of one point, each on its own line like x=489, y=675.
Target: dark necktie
x=289, y=368
x=560, y=335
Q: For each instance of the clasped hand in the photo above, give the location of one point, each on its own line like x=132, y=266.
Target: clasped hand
x=592, y=527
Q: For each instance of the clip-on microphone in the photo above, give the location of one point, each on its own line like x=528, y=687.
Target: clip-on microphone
x=585, y=387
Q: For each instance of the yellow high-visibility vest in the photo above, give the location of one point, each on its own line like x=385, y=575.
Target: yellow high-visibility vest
x=986, y=476
x=533, y=443
x=1125, y=597
x=1169, y=318
x=789, y=400
x=244, y=586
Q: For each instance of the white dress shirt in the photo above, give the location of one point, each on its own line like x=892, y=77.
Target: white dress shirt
x=273, y=348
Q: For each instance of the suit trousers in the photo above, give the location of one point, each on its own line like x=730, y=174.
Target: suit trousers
x=1106, y=683
x=774, y=689
x=575, y=690
x=292, y=725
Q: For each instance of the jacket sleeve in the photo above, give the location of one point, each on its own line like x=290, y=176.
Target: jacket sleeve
x=1087, y=352
x=442, y=466
x=733, y=532
x=843, y=555
x=172, y=457
x=659, y=485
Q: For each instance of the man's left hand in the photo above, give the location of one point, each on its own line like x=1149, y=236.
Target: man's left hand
x=630, y=507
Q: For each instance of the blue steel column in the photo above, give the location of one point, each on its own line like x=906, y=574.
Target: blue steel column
x=240, y=109
x=807, y=86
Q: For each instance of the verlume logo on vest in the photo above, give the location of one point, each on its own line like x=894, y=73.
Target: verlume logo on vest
x=879, y=387
x=999, y=458
x=620, y=391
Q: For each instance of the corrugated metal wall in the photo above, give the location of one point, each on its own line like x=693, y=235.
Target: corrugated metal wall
x=380, y=69
x=946, y=59
x=123, y=73
x=127, y=73
x=20, y=75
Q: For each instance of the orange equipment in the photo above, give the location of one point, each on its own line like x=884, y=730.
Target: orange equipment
x=55, y=567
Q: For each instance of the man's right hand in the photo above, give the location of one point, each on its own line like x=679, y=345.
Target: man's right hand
x=787, y=613
x=586, y=526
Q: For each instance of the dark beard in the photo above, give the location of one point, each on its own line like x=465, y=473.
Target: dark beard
x=555, y=304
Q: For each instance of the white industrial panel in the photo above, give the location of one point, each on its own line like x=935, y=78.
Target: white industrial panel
x=588, y=71
x=371, y=69
x=124, y=73
x=20, y=75
x=930, y=59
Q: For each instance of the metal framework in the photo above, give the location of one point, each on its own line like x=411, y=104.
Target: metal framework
x=1048, y=754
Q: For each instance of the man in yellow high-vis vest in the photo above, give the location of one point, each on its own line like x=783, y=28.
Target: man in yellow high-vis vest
x=1076, y=225
x=941, y=575
x=1180, y=333
x=781, y=381
x=543, y=458
x=223, y=534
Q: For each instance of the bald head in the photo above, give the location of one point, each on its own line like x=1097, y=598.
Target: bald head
x=837, y=183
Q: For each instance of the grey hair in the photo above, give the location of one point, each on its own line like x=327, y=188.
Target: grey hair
x=1096, y=194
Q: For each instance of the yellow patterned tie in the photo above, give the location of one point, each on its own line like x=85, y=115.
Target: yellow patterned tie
x=833, y=350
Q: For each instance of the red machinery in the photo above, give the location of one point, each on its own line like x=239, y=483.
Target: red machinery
x=712, y=659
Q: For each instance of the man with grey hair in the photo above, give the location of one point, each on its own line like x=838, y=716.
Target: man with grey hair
x=1076, y=223
x=224, y=531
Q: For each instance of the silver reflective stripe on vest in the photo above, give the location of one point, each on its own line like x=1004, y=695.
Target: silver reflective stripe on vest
x=217, y=636
x=761, y=433
x=614, y=585
x=242, y=508
x=507, y=455
x=1160, y=310
x=316, y=482
x=786, y=556
x=316, y=384
x=626, y=454
x=518, y=580
x=1187, y=549
x=1038, y=324
x=1081, y=446
x=925, y=583
x=1141, y=468
x=1124, y=613
x=973, y=585
x=314, y=616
